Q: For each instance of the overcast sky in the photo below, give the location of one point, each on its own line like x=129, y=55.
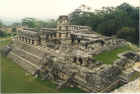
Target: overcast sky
x=52, y=8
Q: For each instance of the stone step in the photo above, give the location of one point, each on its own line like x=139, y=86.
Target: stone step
x=29, y=48
x=25, y=64
x=28, y=56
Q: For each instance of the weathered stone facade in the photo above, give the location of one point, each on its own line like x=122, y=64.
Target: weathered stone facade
x=65, y=56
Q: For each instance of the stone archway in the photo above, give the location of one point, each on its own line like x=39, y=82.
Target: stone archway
x=39, y=41
x=75, y=59
x=33, y=42
x=80, y=61
x=78, y=40
x=72, y=40
x=86, y=45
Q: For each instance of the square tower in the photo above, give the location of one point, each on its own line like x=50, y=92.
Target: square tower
x=62, y=23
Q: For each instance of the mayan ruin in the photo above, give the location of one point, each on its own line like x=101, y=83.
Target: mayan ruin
x=65, y=55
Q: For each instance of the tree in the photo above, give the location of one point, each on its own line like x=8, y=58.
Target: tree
x=51, y=24
x=109, y=20
x=127, y=33
x=37, y=24
x=16, y=24
x=107, y=28
x=2, y=34
x=14, y=29
x=1, y=24
x=29, y=22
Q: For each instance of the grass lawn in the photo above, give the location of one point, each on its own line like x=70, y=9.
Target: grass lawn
x=15, y=80
x=134, y=76
x=4, y=42
x=109, y=56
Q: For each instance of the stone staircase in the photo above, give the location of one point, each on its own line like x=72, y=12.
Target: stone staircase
x=25, y=64
x=26, y=56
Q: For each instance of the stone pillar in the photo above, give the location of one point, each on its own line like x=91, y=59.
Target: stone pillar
x=29, y=41
x=35, y=42
x=22, y=38
x=57, y=35
x=18, y=37
x=48, y=36
x=67, y=35
x=26, y=40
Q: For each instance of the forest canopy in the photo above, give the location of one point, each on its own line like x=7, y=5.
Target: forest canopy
x=121, y=21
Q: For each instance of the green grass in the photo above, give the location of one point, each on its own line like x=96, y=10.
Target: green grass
x=14, y=80
x=4, y=42
x=107, y=57
x=134, y=76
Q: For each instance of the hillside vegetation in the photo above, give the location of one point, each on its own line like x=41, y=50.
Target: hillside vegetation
x=121, y=21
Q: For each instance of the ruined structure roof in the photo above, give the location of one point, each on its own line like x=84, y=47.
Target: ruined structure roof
x=49, y=29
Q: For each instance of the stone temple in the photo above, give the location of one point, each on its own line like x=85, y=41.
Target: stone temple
x=65, y=55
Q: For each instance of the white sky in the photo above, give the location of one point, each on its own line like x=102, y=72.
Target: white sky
x=52, y=8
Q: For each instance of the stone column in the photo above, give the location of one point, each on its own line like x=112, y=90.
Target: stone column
x=18, y=37
x=21, y=38
x=26, y=40
x=35, y=42
x=57, y=35
x=29, y=41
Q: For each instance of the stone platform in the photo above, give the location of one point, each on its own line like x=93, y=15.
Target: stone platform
x=132, y=87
